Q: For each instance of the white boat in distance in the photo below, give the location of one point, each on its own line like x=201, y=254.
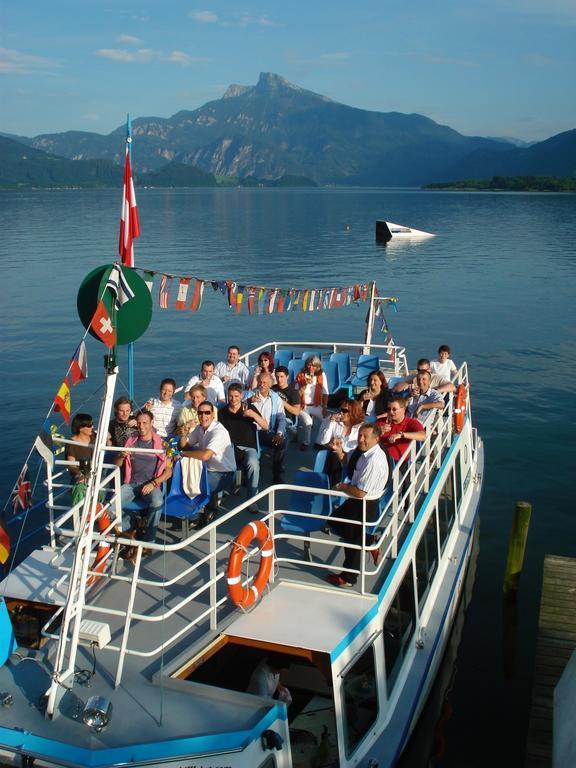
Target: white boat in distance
x=148, y=664
x=387, y=230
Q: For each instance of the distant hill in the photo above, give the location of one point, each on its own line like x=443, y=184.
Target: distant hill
x=176, y=175
x=276, y=130
x=511, y=184
x=22, y=166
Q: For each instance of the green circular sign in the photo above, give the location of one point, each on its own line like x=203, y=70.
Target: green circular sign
x=132, y=318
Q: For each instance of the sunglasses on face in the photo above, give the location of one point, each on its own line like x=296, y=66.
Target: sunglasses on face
x=344, y=410
x=204, y=413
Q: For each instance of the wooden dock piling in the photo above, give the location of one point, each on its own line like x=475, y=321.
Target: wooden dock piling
x=517, y=547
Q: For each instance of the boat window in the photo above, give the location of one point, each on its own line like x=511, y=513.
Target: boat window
x=458, y=480
x=426, y=560
x=268, y=763
x=360, y=699
x=399, y=625
x=446, y=510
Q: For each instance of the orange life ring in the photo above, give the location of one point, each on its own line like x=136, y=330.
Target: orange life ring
x=460, y=408
x=244, y=597
x=99, y=564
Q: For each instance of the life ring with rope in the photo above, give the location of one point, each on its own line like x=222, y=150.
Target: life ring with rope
x=460, y=408
x=99, y=565
x=245, y=597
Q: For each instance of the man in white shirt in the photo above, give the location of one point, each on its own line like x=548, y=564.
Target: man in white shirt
x=233, y=369
x=165, y=409
x=209, y=379
x=369, y=478
x=210, y=442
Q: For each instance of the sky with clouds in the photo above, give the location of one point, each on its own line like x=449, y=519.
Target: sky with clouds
x=490, y=68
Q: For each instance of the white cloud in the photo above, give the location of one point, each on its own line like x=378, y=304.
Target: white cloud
x=141, y=56
x=246, y=20
x=204, y=17
x=179, y=57
x=129, y=40
x=16, y=63
x=146, y=55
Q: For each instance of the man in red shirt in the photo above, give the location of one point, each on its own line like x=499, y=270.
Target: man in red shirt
x=398, y=429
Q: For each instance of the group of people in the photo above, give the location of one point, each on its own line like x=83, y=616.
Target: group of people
x=230, y=412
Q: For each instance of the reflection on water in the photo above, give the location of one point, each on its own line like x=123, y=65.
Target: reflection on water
x=428, y=744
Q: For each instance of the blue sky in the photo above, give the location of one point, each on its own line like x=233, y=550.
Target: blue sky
x=484, y=67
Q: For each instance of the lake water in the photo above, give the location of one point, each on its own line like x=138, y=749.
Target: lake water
x=497, y=284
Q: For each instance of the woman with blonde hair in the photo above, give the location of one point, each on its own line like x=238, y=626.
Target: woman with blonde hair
x=313, y=388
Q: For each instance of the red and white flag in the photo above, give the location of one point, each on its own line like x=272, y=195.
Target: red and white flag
x=79, y=364
x=164, y=295
x=197, y=296
x=182, y=293
x=102, y=324
x=129, y=224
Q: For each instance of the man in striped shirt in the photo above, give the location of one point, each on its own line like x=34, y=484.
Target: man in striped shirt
x=233, y=369
x=165, y=409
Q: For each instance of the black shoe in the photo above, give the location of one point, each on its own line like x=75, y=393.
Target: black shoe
x=204, y=519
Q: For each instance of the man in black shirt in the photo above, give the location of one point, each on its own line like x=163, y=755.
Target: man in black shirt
x=289, y=395
x=240, y=419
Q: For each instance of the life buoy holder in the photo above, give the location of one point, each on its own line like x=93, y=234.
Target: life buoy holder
x=460, y=408
x=245, y=597
x=101, y=559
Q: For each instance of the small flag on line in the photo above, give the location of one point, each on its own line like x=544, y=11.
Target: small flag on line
x=22, y=494
x=62, y=400
x=4, y=543
x=44, y=444
x=79, y=364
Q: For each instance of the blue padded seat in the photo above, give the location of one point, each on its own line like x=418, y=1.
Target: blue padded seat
x=182, y=506
x=364, y=367
x=342, y=360
x=294, y=368
x=315, y=504
x=311, y=353
x=283, y=357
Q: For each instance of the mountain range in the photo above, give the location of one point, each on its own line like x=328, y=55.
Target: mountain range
x=275, y=129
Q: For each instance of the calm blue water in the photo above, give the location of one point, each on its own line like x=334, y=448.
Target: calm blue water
x=497, y=284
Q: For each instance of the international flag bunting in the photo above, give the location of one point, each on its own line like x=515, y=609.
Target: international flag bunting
x=239, y=298
x=79, y=364
x=4, y=544
x=129, y=224
x=251, y=300
x=271, y=300
x=391, y=348
x=22, y=494
x=62, y=400
x=197, y=296
x=231, y=289
x=280, y=301
x=119, y=287
x=149, y=280
x=44, y=445
x=102, y=323
x=261, y=301
x=164, y=294
x=182, y=293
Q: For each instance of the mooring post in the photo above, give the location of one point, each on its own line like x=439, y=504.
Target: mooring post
x=517, y=547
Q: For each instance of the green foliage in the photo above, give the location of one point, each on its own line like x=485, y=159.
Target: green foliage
x=511, y=184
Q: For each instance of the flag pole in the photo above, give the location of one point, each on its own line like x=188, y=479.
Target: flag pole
x=131, y=344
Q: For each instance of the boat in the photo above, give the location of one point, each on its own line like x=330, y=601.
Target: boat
x=387, y=231
x=108, y=664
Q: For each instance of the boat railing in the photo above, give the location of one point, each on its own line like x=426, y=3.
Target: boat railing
x=392, y=357
x=411, y=479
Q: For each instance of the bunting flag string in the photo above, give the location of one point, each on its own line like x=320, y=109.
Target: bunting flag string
x=79, y=364
x=254, y=299
x=62, y=400
x=164, y=293
x=22, y=493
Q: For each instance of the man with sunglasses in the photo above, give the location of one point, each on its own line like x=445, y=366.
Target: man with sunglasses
x=210, y=442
